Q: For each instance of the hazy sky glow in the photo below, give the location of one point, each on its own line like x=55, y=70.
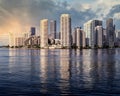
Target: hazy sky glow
x=19, y=15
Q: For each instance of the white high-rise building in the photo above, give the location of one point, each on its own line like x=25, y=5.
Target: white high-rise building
x=44, y=33
x=89, y=28
x=65, y=30
x=11, y=39
x=16, y=40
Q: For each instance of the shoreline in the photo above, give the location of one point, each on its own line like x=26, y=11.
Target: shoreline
x=59, y=48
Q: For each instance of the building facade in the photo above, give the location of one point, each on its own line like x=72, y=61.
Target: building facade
x=32, y=31
x=44, y=33
x=105, y=42
x=53, y=29
x=19, y=41
x=99, y=36
x=74, y=37
x=110, y=28
x=83, y=39
x=15, y=40
x=117, y=38
x=89, y=28
x=78, y=38
x=11, y=39
x=65, y=30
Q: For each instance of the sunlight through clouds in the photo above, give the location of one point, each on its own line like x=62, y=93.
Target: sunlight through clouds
x=20, y=15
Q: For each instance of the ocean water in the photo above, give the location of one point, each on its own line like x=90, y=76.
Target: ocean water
x=32, y=72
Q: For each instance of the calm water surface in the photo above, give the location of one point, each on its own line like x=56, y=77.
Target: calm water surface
x=26, y=72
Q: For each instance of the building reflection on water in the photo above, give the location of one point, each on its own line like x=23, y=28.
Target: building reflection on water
x=16, y=60
x=34, y=61
x=65, y=70
x=43, y=64
x=11, y=60
x=65, y=56
x=43, y=70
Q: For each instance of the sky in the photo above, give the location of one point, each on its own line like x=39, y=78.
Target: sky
x=18, y=16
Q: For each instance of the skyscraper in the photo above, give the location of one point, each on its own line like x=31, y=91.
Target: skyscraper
x=110, y=28
x=83, y=39
x=65, y=30
x=44, y=33
x=11, y=39
x=105, y=38
x=74, y=37
x=78, y=38
x=19, y=41
x=53, y=29
x=89, y=28
x=99, y=36
x=32, y=31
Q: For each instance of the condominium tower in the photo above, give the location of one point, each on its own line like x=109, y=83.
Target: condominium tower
x=65, y=30
x=44, y=33
x=110, y=28
x=89, y=28
x=53, y=29
x=11, y=39
x=32, y=31
x=78, y=38
x=99, y=36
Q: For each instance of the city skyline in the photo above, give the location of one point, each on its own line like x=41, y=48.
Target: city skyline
x=33, y=11
x=59, y=47
x=94, y=35
x=91, y=29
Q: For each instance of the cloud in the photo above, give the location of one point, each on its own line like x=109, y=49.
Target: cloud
x=78, y=6
x=24, y=12
x=117, y=16
x=19, y=15
x=104, y=7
